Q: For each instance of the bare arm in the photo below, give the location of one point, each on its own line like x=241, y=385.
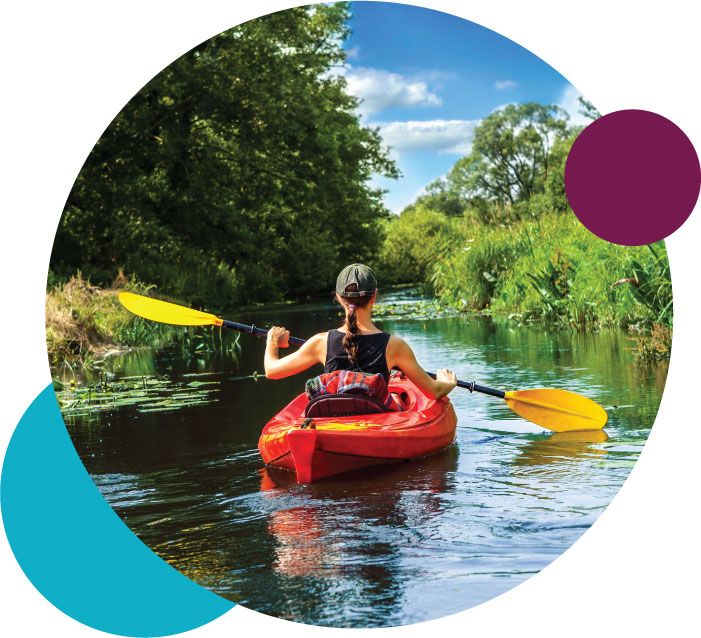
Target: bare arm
x=401, y=356
x=313, y=351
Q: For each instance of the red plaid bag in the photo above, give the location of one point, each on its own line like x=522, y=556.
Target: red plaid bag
x=349, y=382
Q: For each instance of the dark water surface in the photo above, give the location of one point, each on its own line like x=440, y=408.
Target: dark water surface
x=388, y=546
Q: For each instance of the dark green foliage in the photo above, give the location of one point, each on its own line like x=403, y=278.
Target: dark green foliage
x=238, y=173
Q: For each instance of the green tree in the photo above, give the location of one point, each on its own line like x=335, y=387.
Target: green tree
x=415, y=239
x=587, y=109
x=240, y=172
x=555, y=181
x=442, y=197
x=511, y=154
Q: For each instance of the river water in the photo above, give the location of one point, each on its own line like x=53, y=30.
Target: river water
x=384, y=547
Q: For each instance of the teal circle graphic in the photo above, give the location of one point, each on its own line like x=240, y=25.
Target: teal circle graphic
x=76, y=551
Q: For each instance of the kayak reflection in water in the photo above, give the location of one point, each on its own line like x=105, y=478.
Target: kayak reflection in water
x=358, y=345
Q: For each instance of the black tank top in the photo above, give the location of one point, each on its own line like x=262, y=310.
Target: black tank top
x=372, y=350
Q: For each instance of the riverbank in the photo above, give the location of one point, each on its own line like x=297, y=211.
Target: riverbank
x=546, y=269
x=85, y=323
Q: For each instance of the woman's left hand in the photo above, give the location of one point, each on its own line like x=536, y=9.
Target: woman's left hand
x=279, y=337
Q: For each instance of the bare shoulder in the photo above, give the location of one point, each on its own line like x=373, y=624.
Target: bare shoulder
x=396, y=342
x=317, y=340
x=396, y=347
x=317, y=344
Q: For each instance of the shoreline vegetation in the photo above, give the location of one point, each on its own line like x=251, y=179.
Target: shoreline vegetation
x=241, y=174
x=497, y=235
x=86, y=323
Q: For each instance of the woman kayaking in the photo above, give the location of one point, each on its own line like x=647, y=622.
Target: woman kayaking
x=357, y=346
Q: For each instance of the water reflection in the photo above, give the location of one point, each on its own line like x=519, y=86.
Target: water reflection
x=562, y=449
x=312, y=544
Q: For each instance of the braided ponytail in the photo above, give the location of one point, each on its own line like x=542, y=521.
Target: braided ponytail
x=351, y=324
x=349, y=343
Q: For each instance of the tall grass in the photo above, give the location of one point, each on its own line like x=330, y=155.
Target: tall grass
x=472, y=272
x=84, y=321
x=546, y=268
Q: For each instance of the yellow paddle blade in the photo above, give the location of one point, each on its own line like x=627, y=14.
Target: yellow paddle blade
x=557, y=410
x=165, y=312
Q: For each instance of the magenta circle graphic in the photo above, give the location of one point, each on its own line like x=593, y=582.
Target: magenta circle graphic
x=632, y=177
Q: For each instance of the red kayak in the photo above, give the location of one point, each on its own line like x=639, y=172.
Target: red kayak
x=316, y=447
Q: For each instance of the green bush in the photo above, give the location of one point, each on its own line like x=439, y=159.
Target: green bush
x=476, y=266
x=413, y=242
x=554, y=269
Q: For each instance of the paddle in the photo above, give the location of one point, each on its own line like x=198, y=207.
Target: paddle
x=556, y=410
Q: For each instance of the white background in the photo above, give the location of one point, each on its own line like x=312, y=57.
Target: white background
x=68, y=68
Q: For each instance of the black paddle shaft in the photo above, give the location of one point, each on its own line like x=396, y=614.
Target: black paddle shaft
x=474, y=387
x=296, y=341
x=257, y=332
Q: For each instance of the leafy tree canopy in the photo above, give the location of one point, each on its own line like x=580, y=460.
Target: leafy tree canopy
x=238, y=173
x=511, y=153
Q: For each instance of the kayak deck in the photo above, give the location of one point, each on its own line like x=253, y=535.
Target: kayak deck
x=334, y=445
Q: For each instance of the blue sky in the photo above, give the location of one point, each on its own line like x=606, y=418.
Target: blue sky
x=427, y=78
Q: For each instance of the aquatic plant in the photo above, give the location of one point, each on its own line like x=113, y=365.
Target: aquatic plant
x=146, y=393
x=198, y=341
x=655, y=344
x=412, y=309
x=650, y=284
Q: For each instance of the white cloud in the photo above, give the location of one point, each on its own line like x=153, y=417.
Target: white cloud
x=569, y=100
x=443, y=136
x=380, y=89
x=503, y=85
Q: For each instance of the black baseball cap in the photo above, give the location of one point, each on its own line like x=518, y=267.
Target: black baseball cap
x=360, y=275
